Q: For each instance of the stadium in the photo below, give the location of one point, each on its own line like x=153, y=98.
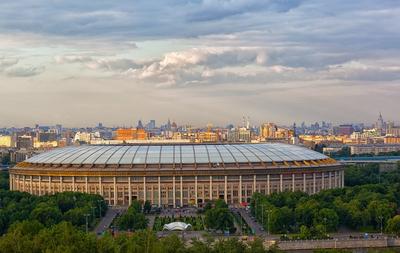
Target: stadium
x=178, y=175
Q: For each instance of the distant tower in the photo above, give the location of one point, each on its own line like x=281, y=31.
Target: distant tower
x=294, y=130
x=140, y=125
x=380, y=124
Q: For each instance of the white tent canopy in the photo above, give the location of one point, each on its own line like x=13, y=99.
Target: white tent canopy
x=177, y=226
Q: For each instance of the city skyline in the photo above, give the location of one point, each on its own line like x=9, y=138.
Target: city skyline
x=198, y=61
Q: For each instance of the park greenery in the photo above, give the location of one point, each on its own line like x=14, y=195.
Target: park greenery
x=4, y=183
x=370, y=204
x=218, y=217
x=133, y=219
x=32, y=237
x=49, y=210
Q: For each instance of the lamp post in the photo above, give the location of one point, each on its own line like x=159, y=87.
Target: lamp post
x=87, y=222
x=262, y=215
x=99, y=201
x=268, y=212
x=381, y=219
x=93, y=211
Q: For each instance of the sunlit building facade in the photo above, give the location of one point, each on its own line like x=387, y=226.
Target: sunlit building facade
x=177, y=175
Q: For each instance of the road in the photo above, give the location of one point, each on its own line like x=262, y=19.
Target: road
x=255, y=226
x=106, y=221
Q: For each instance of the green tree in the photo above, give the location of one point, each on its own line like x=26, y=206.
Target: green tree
x=231, y=245
x=328, y=218
x=46, y=214
x=219, y=219
x=393, y=225
x=147, y=206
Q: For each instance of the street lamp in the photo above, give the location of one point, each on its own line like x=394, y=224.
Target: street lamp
x=381, y=219
x=268, y=212
x=100, y=202
x=262, y=215
x=93, y=210
x=87, y=222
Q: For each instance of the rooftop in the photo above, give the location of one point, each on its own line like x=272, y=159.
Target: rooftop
x=177, y=154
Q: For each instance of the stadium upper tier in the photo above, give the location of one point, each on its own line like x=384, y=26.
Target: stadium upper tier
x=177, y=154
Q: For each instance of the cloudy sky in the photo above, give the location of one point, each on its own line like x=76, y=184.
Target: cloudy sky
x=198, y=61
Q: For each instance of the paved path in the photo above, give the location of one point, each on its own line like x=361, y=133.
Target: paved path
x=106, y=221
x=255, y=226
x=151, y=221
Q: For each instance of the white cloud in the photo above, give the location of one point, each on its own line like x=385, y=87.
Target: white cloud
x=7, y=62
x=24, y=71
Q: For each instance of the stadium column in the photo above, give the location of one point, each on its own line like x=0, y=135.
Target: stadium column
x=268, y=185
x=195, y=191
x=173, y=191
x=100, y=187
x=159, y=191
x=211, y=189
x=61, y=184
x=226, y=190
x=31, y=185
x=129, y=191
x=314, y=186
x=181, y=191
x=342, y=178
x=254, y=184
x=23, y=183
x=49, y=185
x=240, y=189
x=115, y=191
x=11, y=182
x=281, y=183
x=293, y=183
x=335, y=179
x=144, y=189
x=323, y=180
x=73, y=183
x=304, y=183
x=86, y=185
x=330, y=180
x=40, y=185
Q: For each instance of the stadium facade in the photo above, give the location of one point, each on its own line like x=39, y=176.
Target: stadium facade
x=179, y=174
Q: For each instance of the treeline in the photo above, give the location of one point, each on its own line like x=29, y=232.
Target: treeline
x=368, y=207
x=4, y=183
x=32, y=237
x=134, y=218
x=49, y=210
x=370, y=174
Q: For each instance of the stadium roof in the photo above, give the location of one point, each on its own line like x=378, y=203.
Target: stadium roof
x=177, y=154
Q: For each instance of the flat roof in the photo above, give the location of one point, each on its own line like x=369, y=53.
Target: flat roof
x=176, y=154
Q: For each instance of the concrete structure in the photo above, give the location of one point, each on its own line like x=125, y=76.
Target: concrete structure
x=178, y=174
x=177, y=226
x=374, y=149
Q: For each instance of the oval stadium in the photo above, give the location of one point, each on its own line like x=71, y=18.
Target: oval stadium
x=177, y=175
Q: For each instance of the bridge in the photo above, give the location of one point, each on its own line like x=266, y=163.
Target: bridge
x=369, y=159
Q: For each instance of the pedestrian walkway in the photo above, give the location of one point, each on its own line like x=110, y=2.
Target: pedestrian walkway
x=107, y=220
x=254, y=225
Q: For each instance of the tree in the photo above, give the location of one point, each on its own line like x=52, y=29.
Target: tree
x=133, y=219
x=231, y=245
x=172, y=244
x=76, y=216
x=147, y=206
x=219, y=219
x=328, y=218
x=393, y=225
x=256, y=246
x=64, y=237
x=46, y=214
